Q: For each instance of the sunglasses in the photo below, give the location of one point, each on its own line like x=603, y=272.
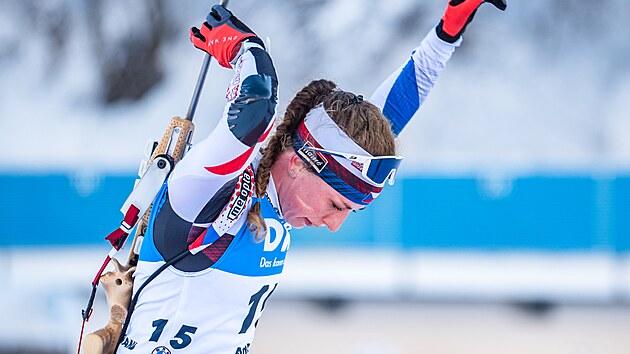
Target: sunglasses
x=376, y=169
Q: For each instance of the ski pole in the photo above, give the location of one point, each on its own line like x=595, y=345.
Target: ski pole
x=201, y=79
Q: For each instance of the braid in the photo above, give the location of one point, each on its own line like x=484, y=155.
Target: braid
x=307, y=98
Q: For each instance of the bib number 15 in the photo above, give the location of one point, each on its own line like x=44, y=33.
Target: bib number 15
x=182, y=338
x=254, y=301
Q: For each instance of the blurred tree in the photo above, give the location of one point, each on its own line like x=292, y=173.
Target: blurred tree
x=127, y=37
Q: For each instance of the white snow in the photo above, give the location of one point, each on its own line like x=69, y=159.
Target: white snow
x=520, y=95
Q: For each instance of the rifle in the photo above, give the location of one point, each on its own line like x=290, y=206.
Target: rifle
x=118, y=284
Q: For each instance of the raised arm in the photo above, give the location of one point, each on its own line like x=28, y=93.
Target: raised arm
x=213, y=163
x=403, y=92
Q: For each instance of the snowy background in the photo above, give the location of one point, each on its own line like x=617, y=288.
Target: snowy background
x=542, y=89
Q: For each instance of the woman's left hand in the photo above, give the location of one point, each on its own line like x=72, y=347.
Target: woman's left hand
x=458, y=15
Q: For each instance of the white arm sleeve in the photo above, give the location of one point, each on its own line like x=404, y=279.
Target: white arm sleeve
x=404, y=91
x=234, y=143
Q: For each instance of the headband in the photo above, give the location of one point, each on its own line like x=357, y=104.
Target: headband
x=318, y=130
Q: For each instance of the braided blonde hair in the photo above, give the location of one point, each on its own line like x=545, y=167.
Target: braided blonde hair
x=360, y=120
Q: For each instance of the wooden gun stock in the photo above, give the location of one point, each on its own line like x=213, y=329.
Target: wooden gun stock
x=175, y=143
x=118, y=284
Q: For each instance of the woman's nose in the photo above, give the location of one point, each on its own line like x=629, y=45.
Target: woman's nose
x=336, y=219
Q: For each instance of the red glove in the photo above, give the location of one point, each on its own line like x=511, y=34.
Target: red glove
x=458, y=15
x=221, y=35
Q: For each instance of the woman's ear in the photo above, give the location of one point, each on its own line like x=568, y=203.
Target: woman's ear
x=296, y=164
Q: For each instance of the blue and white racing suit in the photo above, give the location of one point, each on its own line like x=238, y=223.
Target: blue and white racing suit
x=211, y=302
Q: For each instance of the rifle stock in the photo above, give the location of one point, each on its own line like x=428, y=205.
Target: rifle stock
x=118, y=284
x=175, y=142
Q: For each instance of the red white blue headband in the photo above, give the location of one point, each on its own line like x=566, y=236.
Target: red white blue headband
x=341, y=162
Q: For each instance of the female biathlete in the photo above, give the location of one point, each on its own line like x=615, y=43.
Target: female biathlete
x=238, y=193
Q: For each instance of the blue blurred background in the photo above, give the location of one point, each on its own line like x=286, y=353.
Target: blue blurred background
x=528, y=213
x=507, y=229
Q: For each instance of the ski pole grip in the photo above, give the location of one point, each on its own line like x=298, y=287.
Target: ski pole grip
x=201, y=79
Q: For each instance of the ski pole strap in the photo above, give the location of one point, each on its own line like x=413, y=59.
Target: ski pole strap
x=85, y=314
x=118, y=237
x=88, y=309
x=81, y=336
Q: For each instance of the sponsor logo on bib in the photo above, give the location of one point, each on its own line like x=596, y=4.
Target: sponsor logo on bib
x=161, y=350
x=244, y=189
x=277, y=237
x=273, y=241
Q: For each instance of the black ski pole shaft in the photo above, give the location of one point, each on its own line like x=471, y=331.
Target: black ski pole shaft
x=201, y=79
